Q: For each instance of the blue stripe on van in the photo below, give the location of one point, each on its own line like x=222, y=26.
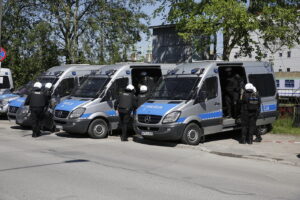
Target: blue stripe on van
x=211, y=115
x=68, y=105
x=111, y=113
x=17, y=102
x=86, y=115
x=155, y=108
x=268, y=108
x=181, y=119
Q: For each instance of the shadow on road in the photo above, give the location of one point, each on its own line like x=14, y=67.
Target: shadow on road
x=298, y=155
x=20, y=127
x=234, y=135
x=154, y=142
x=71, y=135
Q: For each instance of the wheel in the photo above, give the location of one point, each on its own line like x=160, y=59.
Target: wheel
x=98, y=129
x=192, y=134
x=262, y=130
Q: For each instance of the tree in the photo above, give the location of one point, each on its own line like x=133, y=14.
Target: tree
x=272, y=21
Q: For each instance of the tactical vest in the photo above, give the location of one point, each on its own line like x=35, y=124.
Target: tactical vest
x=142, y=98
x=252, y=102
x=38, y=99
x=125, y=101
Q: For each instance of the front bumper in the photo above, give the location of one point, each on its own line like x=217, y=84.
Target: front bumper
x=171, y=131
x=79, y=126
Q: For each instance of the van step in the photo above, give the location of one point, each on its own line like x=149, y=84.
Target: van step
x=228, y=122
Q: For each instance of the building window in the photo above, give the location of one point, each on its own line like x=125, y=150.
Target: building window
x=289, y=83
x=288, y=69
x=280, y=54
x=277, y=83
x=265, y=55
x=289, y=54
x=280, y=70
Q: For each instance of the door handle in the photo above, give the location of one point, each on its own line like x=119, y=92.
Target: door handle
x=217, y=103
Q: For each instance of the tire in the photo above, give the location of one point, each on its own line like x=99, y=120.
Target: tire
x=192, y=134
x=98, y=129
x=264, y=129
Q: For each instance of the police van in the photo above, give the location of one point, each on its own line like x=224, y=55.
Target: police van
x=90, y=109
x=6, y=81
x=64, y=79
x=188, y=103
x=7, y=97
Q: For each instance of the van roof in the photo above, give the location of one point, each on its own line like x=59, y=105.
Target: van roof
x=70, y=66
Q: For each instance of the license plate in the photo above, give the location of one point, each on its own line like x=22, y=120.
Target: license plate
x=59, y=126
x=147, y=133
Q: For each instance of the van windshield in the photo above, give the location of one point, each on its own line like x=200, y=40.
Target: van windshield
x=175, y=88
x=47, y=79
x=91, y=87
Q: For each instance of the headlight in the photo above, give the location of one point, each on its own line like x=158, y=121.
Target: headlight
x=24, y=109
x=3, y=102
x=171, y=117
x=77, y=113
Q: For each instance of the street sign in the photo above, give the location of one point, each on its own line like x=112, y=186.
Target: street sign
x=2, y=54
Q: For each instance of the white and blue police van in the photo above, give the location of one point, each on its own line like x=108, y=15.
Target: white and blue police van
x=6, y=81
x=90, y=109
x=64, y=79
x=188, y=103
x=10, y=96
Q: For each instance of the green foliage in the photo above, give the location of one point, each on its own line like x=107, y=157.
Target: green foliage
x=284, y=126
x=275, y=22
x=37, y=34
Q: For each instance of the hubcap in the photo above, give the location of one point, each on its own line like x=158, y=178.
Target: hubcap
x=192, y=135
x=99, y=129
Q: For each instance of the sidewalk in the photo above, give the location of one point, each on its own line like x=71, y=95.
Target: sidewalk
x=283, y=149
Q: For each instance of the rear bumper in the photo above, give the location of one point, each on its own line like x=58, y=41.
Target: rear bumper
x=172, y=131
x=79, y=126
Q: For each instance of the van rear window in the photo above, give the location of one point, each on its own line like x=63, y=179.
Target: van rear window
x=264, y=83
x=4, y=82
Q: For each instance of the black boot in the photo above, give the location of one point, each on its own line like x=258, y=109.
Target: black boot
x=243, y=140
x=258, y=139
x=250, y=140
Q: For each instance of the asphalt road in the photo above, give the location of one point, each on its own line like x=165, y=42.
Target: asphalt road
x=59, y=166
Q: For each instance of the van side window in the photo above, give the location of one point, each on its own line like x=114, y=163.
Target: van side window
x=264, y=83
x=211, y=87
x=118, y=86
x=65, y=87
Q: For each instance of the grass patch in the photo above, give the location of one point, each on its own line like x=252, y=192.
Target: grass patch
x=284, y=126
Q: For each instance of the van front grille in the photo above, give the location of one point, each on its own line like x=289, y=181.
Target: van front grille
x=149, y=119
x=13, y=109
x=61, y=113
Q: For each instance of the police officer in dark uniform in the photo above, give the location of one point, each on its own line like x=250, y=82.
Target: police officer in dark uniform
x=48, y=115
x=234, y=84
x=37, y=102
x=142, y=96
x=249, y=113
x=125, y=104
x=147, y=81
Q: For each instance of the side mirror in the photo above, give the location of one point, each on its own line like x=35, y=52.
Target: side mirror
x=201, y=96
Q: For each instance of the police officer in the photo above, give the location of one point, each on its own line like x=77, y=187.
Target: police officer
x=249, y=113
x=142, y=96
x=125, y=104
x=48, y=117
x=232, y=92
x=37, y=101
x=147, y=81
